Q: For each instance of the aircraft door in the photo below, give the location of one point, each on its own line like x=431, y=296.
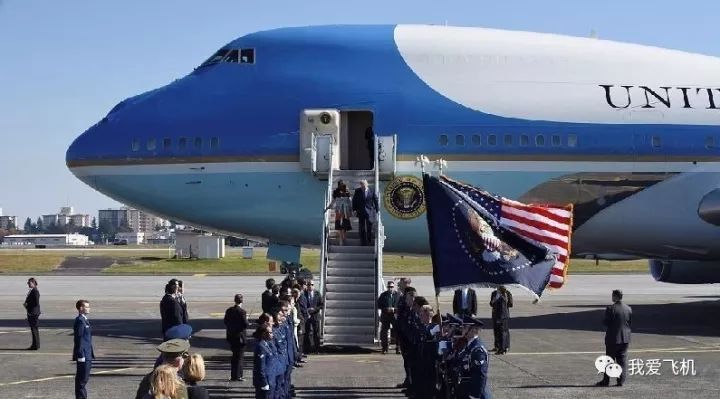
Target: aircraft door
x=319, y=139
x=321, y=153
x=387, y=152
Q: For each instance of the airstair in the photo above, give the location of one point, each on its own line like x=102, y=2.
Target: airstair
x=350, y=275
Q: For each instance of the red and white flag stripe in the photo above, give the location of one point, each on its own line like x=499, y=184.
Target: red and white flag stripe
x=548, y=225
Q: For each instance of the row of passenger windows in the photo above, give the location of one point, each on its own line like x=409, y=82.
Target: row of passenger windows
x=241, y=56
x=183, y=143
x=656, y=142
x=539, y=140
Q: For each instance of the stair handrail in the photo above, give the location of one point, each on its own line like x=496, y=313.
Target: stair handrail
x=379, y=233
x=325, y=239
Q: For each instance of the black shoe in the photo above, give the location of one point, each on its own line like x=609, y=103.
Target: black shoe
x=402, y=385
x=397, y=351
x=602, y=384
x=619, y=384
x=32, y=348
x=240, y=379
x=301, y=361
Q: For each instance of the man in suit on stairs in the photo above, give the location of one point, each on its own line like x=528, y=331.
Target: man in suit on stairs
x=365, y=205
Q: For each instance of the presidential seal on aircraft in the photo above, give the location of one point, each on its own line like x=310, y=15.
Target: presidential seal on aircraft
x=404, y=197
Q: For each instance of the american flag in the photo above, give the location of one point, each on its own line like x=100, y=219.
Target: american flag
x=545, y=224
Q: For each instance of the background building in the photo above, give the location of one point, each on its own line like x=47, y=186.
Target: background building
x=130, y=238
x=7, y=222
x=129, y=218
x=48, y=240
x=66, y=216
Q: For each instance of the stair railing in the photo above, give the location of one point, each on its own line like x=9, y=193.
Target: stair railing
x=379, y=233
x=325, y=238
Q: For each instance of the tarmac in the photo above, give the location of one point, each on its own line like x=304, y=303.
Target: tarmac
x=554, y=343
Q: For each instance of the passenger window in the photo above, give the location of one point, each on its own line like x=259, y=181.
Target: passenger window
x=167, y=143
x=198, y=143
x=508, y=139
x=492, y=139
x=556, y=141
x=182, y=143
x=214, y=142
x=710, y=142
x=656, y=142
x=572, y=140
x=135, y=145
x=151, y=144
x=443, y=140
x=460, y=139
x=476, y=139
x=540, y=140
x=247, y=56
x=524, y=140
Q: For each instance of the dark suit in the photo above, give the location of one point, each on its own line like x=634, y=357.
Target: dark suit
x=386, y=301
x=501, y=316
x=471, y=300
x=32, y=306
x=312, y=322
x=171, y=313
x=82, y=348
x=360, y=204
x=183, y=306
x=617, y=336
x=235, y=325
x=303, y=314
x=266, y=301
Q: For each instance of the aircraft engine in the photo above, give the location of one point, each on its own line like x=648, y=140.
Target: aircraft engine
x=685, y=271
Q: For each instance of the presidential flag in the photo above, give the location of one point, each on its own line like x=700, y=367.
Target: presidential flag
x=477, y=240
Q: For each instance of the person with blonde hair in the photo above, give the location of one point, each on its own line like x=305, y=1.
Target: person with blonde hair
x=164, y=384
x=194, y=372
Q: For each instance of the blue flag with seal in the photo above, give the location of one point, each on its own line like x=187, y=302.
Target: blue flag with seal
x=470, y=247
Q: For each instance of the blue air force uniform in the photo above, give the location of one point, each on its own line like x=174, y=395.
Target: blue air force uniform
x=280, y=341
x=473, y=361
x=264, y=365
x=83, y=354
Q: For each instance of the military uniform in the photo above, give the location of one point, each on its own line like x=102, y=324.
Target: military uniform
x=473, y=362
x=264, y=369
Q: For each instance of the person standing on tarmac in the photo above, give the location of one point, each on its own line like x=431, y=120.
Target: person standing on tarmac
x=474, y=364
x=386, y=303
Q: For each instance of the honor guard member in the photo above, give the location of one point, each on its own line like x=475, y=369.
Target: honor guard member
x=83, y=353
x=280, y=343
x=403, y=313
x=264, y=364
x=474, y=364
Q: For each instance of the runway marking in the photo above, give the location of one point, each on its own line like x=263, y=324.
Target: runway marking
x=16, y=331
x=645, y=350
x=64, y=376
x=217, y=314
x=200, y=275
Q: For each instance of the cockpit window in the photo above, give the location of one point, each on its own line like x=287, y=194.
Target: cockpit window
x=247, y=56
x=241, y=56
x=217, y=57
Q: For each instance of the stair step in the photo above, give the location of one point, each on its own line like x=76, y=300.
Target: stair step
x=352, y=249
x=351, y=264
x=335, y=280
x=338, y=304
x=347, y=242
x=363, y=292
x=366, y=313
x=350, y=272
x=352, y=234
x=367, y=297
x=348, y=339
x=351, y=256
x=366, y=320
x=363, y=329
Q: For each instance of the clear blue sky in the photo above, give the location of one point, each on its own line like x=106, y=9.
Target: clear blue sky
x=64, y=64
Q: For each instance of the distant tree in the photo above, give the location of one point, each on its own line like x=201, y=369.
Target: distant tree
x=29, y=227
x=54, y=229
x=94, y=224
x=39, y=226
x=11, y=226
x=70, y=227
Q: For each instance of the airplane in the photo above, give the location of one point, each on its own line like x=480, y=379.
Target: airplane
x=627, y=133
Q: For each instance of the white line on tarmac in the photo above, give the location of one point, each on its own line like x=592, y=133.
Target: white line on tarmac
x=15, y=331
x=647, y=350
x=64, y=376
